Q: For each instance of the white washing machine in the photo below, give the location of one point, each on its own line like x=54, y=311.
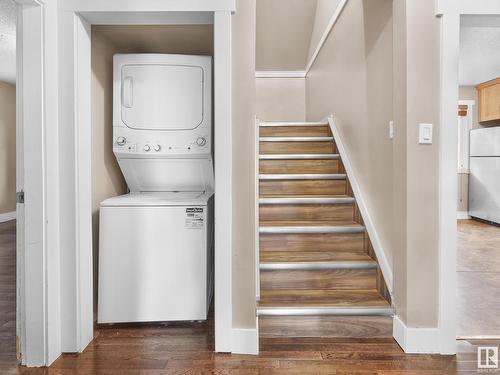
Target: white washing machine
x=156, y=243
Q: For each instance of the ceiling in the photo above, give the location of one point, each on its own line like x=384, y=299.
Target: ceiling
x=479, y=49
x=7, y=41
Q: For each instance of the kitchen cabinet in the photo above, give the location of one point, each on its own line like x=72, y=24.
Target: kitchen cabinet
x=489, y=100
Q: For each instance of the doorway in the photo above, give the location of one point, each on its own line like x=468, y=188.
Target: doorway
x=55, y=102
x=159, y=256
x=78, y=329
x=8, y=151
x=478, y=241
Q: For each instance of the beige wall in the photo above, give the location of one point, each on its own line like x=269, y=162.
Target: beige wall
x=399, y=209
x=281, y=99
x=381, y=62
x=107, y=179
x=352, y=79
x=284, y=29
x=7, y=147
x=181, y=39
x=417, y=297
x=324, y=12
x=244, y=109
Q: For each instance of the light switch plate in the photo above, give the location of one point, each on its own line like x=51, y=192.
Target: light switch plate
x=425, y=134
x=391, y=129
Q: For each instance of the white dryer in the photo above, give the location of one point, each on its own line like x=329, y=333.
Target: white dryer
x=156, y=243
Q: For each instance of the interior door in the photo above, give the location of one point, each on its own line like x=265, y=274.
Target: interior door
x=30, y=119
x=19, y=219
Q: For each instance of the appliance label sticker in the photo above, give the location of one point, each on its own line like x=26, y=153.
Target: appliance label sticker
x=194, y=217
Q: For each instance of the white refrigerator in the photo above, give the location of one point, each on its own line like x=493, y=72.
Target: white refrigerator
x=484, y=178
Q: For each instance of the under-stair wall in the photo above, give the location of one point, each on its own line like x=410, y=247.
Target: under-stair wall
x=281, y=98
x=352, y=79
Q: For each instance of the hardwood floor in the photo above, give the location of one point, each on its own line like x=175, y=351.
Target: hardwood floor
x=7, y=294
x=478, y=279
x=187, y=348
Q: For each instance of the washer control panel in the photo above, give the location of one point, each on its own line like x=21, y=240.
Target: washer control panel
x=130, y=144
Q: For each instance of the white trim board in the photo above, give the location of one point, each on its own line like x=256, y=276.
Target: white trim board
x=245, y=340
x=149, y=18
x=74, y=101
x=257, y=210
x=463, y=215
x=7, y=216
x=280, y=74
x=333, y=20
x=448, y=182
x=303, y=73
x=450, y=12
x=360, y=200
x=416, y=340
x=482, y=7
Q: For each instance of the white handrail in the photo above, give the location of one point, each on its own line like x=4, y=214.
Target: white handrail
x=303, y=73
x=257, y=220
x=329, y=27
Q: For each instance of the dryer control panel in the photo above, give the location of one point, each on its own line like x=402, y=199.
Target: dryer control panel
x=161, y=145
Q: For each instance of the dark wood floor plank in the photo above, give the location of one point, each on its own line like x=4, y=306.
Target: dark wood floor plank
x=188, y=348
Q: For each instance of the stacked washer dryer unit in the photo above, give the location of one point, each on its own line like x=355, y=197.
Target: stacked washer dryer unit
x=156, y=243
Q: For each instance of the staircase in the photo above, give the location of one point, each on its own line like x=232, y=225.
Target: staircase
x=318, y=273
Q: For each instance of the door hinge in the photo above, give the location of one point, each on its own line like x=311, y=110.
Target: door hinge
x=20, y=197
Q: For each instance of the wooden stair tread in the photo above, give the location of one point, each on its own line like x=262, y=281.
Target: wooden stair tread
x=293, y=123
x=310, y=223
x=312, y=256
x=310, y=298
x=307, y=196
x=317, y=277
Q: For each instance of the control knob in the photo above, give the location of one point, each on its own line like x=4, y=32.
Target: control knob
x=157, y=148
x=201, y=141
x=147, y=148
x=120, y=141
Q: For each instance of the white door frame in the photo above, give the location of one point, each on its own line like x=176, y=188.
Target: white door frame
x=38, y=313
x=53, y=114
x=75, y=95
x=450, y=12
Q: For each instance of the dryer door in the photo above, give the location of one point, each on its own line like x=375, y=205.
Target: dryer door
x=162, y=96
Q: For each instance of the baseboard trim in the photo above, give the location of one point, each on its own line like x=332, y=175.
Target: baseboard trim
x=7, y=216
x=416, y=340
x=463, y=215
x=245, y=341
